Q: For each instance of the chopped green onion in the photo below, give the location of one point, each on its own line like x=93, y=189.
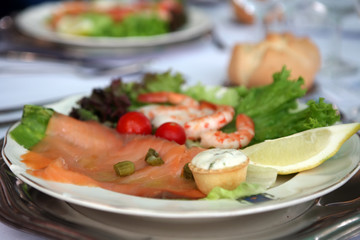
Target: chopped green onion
x=124, y=168
x=187, y=173
x=153, y=158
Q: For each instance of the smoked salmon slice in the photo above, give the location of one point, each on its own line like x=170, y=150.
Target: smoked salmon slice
x=84, y=153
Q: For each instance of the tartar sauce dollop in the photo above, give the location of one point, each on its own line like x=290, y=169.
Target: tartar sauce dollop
x=218, y=158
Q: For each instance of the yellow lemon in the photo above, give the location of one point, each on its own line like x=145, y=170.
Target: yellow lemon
x=301, y=151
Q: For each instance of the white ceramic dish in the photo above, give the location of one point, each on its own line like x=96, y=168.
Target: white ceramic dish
x=32, y=21
x=289, y=191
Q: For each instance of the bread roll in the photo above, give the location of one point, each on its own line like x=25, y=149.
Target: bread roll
x=253, y=65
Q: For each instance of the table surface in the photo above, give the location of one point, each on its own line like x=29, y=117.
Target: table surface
x=199, y=61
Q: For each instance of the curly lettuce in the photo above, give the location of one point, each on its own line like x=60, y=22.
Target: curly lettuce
x=274, y=109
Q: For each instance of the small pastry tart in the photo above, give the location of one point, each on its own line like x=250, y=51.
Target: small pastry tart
x=224, y=168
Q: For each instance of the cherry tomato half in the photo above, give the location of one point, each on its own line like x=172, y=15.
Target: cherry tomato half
x=134, y=122
x=172, y=132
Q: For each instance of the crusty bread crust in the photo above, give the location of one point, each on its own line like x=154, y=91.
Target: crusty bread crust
x=253, y=65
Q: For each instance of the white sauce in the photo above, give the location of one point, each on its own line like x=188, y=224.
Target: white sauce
x=217, y=158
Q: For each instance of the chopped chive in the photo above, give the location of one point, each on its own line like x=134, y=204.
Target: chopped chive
x=153, y=158
x=124, y=168
x=211, y=165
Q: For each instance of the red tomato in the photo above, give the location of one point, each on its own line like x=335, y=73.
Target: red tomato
x=134, y=122
x=172, y=132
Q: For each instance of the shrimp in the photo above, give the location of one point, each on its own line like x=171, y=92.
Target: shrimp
x=219, y=118
x=168, y=97
x=201, y=120
x=159, y=114
x=242, y=137
x=184, y=110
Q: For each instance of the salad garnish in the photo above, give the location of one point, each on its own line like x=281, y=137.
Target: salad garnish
x=272, y=108
x=124, y=168
x=153, y=158
x=118, y=19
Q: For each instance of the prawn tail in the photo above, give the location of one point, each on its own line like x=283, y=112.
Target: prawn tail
x=168, y=97
x=158, y=97
x=245, y=128
x=239, y=139
x=244, y=121
x=219, y=139
x=209, y=105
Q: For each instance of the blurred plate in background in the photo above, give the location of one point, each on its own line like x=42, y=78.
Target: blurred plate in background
x=32, y=22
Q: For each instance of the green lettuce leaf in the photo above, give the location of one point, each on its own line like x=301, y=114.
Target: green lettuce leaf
x=139, y=25
x=217, y=94
x=284, y=123
x=281, y=95
x=273, y=108
x=33, y=125
x=243, y=190
x=167, y=81
x=98, y=24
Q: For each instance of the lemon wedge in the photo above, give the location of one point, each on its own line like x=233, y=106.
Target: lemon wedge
x=301, y=151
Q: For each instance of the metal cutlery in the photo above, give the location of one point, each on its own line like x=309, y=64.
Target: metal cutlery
x=8, y=118
x=15, y=46
x=217, y=41
x=84, y=65
x=9, y=115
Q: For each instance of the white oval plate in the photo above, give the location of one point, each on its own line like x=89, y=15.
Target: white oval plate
x=32, y=21
x=289, y=191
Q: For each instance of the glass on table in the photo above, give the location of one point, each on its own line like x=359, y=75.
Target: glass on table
x=335, y=64
x=322, y=20
x=342, y=74
x=258, y=12
x=319, y=16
